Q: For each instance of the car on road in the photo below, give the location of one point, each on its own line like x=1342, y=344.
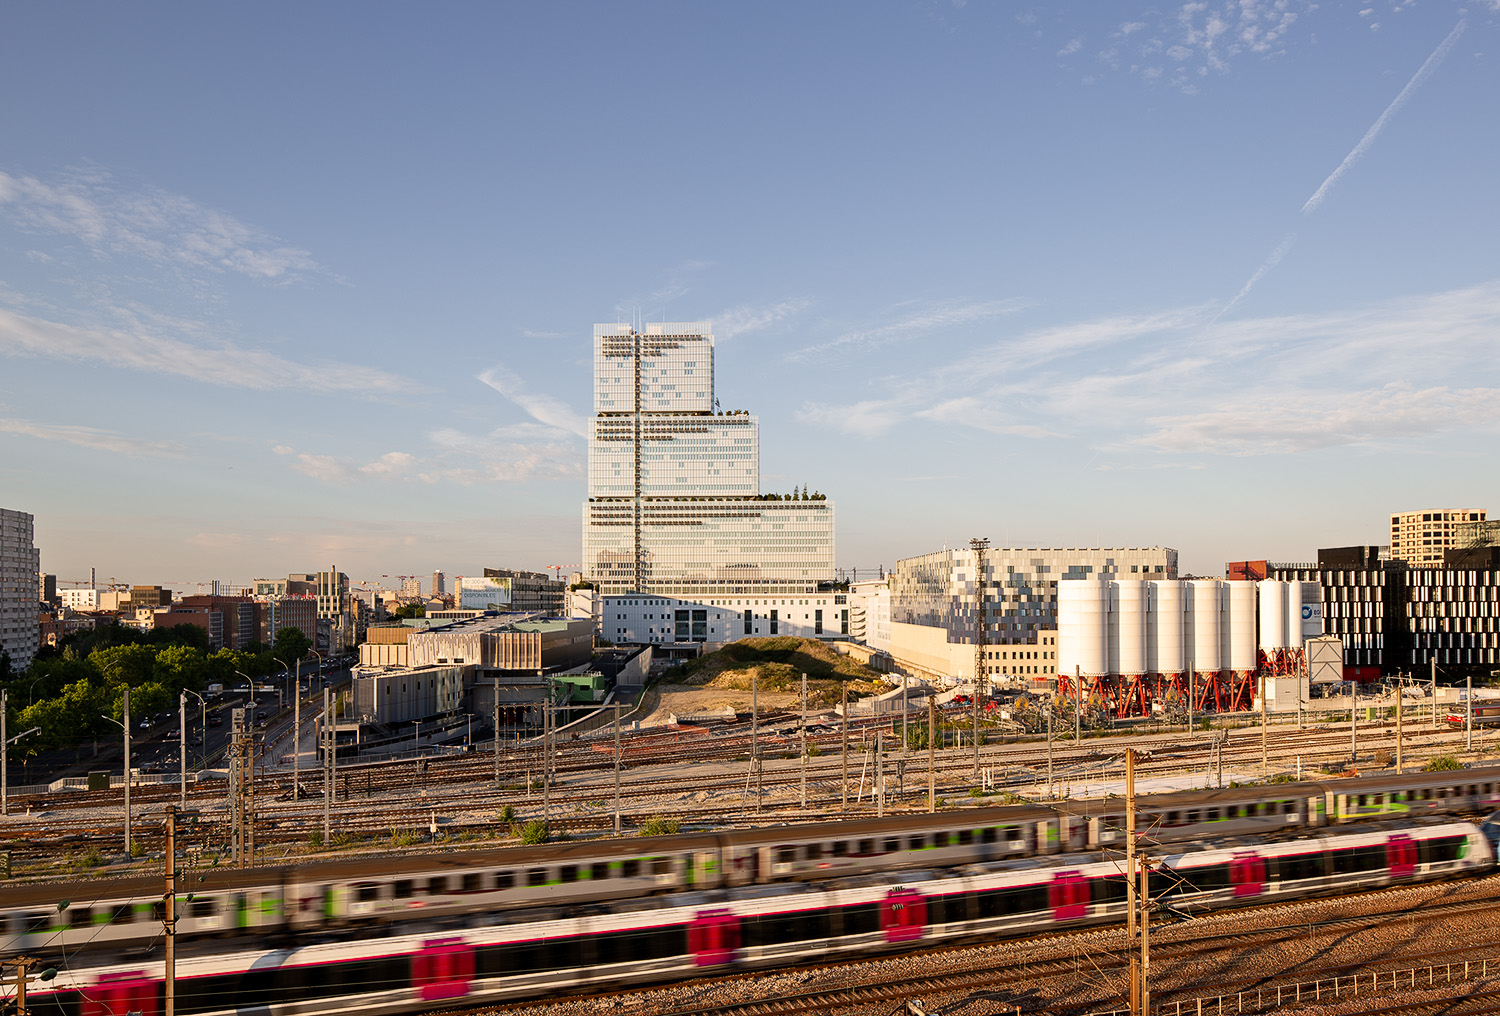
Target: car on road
x=216, y=720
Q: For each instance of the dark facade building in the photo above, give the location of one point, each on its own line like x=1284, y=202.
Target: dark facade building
x=1402, y=619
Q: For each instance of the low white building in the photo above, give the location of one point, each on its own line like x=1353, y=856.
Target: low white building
x=79, y=599
x=642, y=617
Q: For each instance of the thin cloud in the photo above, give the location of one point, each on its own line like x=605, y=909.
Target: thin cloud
x=747, y=318
x=1165, y=382
x=91, y=437
x=1357, y=152
x=1304, y=422
x=224, y=365
x=934, y=317
x=543, y=408
x=167, y=229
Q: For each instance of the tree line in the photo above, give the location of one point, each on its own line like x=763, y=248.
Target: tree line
x=69, y=689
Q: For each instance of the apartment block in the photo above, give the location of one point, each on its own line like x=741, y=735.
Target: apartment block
x=20, y=563
x=1420, y=537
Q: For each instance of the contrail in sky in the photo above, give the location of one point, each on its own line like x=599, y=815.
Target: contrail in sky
x=1266, y=266
x=1312, y=203
x=1437, y=57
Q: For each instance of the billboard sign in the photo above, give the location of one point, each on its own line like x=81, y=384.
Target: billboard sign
x=1312, y=620
x=484, y=594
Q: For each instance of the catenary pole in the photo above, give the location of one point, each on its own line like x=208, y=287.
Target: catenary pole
x=844, y=745
x=804, y=742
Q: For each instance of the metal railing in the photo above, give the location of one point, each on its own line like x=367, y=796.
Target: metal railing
x=1262, y=999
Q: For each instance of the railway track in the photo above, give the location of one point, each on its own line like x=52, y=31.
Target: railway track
x=375, y=799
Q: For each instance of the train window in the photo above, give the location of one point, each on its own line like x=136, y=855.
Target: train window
x=402, y=889
x=1020, y=900
x=965, y=837
x=866, y=847
x=504, y=879
x=989, y=835
x=122, y=913
x=205, y=908
x=567, y=873
x=814, y=851
x=437, y=885
x=367, y=892
x=840, y=848
x=1361, y=800
x=892, y=843
x=1444, y=848
x=1212, y=815
x=861, y=919
x=1300, y=866
x=599, y=870
x=1192, y=816
x=1207, y=878
x=786, y=855
x=772, y=929
x=661, y=866
x=917, y=842
x=158, y=911
x=38, y=923
x=658, y=943
x=536, y=876
x=1108, y=890
x=948, y=909
x=80, y=917
x=1289, y=807
x=473, y=881
x=630, y=868
x=1174, y=818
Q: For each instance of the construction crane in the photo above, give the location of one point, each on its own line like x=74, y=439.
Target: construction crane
x=560, y=568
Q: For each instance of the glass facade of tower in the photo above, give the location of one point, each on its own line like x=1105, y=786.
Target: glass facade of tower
x=674, y=504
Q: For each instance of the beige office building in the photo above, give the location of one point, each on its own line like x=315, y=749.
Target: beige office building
x=1419, y=538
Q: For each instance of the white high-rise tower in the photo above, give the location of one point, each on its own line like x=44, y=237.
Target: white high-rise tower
x=674, y=502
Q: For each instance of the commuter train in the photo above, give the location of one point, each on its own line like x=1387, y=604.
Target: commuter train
x=545, y=951
x=448, y=888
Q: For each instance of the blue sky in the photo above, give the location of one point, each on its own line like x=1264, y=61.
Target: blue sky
x=285, y=285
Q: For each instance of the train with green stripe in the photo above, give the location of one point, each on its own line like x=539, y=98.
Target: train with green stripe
x=451, y=888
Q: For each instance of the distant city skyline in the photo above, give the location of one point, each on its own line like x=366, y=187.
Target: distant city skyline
x=1218, y=277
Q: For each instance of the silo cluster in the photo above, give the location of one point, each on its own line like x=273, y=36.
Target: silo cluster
x=1148, y=634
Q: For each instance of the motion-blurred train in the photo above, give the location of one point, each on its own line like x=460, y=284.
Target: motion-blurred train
x=545, y=951
x=453, y=889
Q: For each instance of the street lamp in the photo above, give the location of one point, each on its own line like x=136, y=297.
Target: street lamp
x=5, y=753
x=297, y=727
x=182, y=733
x=125, y=726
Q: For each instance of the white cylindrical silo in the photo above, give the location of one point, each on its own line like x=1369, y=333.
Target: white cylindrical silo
x=1128, y=648
x=1294, y=615
x=1272, y=615
x=1082, y=632
x=1205, y=618
x=1165, y=652
x=1240, y=627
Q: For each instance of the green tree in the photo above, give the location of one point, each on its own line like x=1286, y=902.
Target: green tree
x=411, y=610
x=179, y=667
x=291, y=645
x=131, y=664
